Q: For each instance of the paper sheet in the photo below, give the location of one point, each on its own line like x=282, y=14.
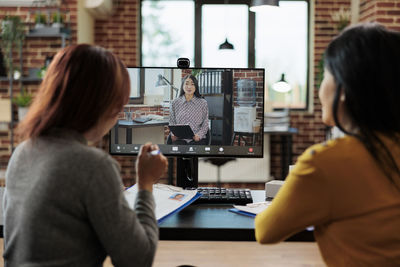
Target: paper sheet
x=254, y=208
x=167, y=198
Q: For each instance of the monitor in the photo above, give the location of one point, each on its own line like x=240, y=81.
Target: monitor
x=223, y=108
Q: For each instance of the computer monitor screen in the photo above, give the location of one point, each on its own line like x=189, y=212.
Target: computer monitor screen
x=206, y=112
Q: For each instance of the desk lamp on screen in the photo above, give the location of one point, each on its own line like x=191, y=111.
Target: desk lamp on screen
x=219, y=114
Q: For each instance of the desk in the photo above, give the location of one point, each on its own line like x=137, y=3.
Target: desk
x=210, y=254
x=215, y=222
x=286, y=148
x=129, y=125
x=234, y=254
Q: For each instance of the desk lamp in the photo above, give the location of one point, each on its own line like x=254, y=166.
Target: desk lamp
x=162, y=81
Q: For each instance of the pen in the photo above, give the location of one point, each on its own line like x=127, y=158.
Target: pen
x=155, y=152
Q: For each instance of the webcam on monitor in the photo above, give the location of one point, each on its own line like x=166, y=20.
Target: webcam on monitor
x=183, y=63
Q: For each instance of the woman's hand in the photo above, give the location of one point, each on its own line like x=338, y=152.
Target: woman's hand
x=149, y=168
x=173, y=138
x=196, y=138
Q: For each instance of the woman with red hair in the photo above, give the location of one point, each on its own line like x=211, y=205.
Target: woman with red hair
x=64, y=202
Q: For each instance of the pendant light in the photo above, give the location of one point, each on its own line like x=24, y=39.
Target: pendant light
x=282, y=86
x=226, y=45
x=259, y=5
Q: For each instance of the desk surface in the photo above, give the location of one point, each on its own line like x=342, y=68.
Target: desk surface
x=212, y=253
x=234, y=254
x=199, y=253
x=215, y=222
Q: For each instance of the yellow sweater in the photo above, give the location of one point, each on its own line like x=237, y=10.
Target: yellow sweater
x=338, y=188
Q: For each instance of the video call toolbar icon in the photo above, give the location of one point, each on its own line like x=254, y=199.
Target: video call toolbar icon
x=175, y=148
x=207, y=148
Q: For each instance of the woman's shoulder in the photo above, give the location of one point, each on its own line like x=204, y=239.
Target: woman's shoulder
x=177, y=100
x=201, y=100
x=67, y=151
x=332, y=148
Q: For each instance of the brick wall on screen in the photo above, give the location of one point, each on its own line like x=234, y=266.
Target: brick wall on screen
x=34, y=53
x=257, y=77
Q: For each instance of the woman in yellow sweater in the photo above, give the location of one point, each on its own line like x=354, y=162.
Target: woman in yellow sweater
x=349, y=188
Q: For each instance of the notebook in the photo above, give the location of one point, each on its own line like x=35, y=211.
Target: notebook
x=169, y=199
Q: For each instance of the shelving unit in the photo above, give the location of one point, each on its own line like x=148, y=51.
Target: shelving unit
x=27, y=79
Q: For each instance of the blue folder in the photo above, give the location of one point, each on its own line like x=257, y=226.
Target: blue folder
x=234, y=210
x=180, y=208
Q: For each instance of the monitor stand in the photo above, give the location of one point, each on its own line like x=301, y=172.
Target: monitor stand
x=187, y=172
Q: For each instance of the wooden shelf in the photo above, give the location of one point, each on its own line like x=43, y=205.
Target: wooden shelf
x=23, y=79
x=49, y=35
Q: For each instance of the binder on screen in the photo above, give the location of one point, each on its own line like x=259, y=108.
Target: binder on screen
x=169, y=199
x=181, y=131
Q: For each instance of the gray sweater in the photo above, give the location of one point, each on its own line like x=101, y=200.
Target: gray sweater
x=64, y=206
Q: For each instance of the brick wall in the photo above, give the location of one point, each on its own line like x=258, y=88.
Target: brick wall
x=386, y=12
x=310, y=126
x=34, y=53
x=120, y=34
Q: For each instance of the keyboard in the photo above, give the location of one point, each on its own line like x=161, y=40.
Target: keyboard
x=220, y=195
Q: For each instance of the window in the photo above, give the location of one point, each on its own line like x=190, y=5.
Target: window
x=134, y=76
x=167, y=32
x=276, y=40
x=281, y=47
x=220, y=23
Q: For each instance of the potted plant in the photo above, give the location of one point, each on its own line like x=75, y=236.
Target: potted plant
x=23, y=101
x=58, y=20
x=342, y=18
x=12, y=33
x=40, y=20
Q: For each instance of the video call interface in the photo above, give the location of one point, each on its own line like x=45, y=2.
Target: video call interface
x=205, y=112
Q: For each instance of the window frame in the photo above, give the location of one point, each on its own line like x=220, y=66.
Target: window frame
x=251, y=35
x=140, y=98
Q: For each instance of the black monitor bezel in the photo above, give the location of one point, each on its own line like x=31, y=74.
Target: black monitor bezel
x=200, y=155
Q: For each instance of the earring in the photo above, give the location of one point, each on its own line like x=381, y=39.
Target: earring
x=343, y=98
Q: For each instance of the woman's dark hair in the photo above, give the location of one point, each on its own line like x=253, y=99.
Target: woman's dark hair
x=196, y=85
x=83, y=84
x=365, y=62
